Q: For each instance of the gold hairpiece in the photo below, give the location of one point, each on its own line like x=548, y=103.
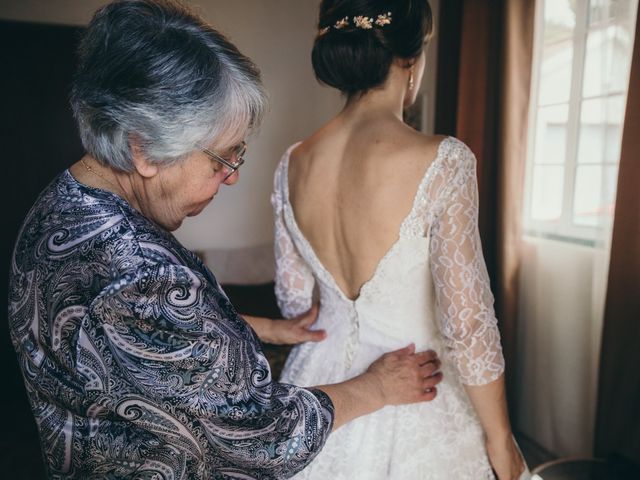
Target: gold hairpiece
x=359, y=21
x=342, y=23
x=384, y=19
x=366, y=23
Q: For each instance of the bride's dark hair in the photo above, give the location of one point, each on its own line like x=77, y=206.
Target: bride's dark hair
x=355, y=60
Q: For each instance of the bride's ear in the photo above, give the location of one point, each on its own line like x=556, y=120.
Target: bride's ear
x=140, y=160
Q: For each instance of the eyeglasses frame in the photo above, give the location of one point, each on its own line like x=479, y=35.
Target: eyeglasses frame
x=233, y=167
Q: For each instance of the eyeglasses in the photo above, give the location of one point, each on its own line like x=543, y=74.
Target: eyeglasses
x=232, y=165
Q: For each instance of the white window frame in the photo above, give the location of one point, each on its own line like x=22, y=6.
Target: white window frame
x=564, y=229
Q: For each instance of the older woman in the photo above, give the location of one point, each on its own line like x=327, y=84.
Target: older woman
x=135, y=363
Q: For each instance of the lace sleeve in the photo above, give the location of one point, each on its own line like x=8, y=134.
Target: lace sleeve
x=294, y=280
x=465, y=302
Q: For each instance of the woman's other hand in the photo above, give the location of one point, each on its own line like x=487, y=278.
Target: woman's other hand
x=403, y=376
x=287, y=332
x=297, y=329
x=505, y=458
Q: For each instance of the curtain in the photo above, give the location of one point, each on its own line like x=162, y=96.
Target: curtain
x=491, y=99
x=618, y=412
x=512, y=153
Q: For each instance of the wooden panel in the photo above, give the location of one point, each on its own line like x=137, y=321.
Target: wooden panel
x=39, y=140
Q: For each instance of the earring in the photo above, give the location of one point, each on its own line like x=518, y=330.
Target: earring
x=411, y=79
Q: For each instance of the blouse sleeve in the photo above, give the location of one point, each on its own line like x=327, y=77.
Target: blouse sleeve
x=465, y=302
x=294, y=279
x=195, y=372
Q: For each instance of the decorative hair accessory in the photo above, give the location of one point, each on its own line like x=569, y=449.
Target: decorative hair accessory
x=342, y=23
x=384, y=19
x=359, y=21
x=366, y=23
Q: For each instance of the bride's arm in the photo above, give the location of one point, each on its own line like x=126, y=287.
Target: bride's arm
x=490, y=404
x=465, y=306
x=294, y=280
x=293, y=288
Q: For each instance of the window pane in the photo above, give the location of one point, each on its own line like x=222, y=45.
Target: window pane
x=555, y=83
x=559, y=20
x=557, y=54
x=607, y=60
x=601, y=130
x=546, y=198
x=551, y=135
x=594, y=198
x=601, y=11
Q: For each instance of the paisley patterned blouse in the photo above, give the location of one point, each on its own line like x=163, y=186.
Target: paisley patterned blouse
x=135, y=363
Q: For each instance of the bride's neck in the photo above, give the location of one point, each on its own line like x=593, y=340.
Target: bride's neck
x=374, y=104
x=381, y=102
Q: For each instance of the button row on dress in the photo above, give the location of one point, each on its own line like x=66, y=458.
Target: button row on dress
x=352, y=339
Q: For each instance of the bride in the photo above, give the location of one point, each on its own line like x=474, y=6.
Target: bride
x=382, y=220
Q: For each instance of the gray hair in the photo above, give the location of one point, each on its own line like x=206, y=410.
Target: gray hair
x=153, y=69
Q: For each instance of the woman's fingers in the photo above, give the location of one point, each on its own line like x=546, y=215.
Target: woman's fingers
x=429, y=368
x=432, y=381
x=408, y=350
x=426, y=356
x=307, y=319
x=429, y=394
x=407, y=377
x=312, y=336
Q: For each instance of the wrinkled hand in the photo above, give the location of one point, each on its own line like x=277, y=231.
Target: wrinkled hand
x=404, y=376
x=296, y=330
x=505, y=458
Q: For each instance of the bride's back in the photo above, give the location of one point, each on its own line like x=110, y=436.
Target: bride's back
x=353, y=182
x=351, y=185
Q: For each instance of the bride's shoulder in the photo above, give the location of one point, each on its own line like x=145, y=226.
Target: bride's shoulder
x=454, y=155
x=278, y=175
x=287, y=153
x=455, y=149
x=284, y=159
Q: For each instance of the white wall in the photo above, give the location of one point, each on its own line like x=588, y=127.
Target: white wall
x=278, y=36
x=561, y=298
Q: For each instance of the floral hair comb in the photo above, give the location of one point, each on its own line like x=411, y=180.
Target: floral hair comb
x=359, y=21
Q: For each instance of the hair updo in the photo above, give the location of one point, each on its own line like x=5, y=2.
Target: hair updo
x=355, y=60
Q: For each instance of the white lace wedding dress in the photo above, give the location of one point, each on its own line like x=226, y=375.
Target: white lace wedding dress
x=430, y=288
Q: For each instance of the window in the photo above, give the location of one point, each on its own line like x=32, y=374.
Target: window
x=581, y=73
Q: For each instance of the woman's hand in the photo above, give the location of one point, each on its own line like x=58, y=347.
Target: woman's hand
x=505, y=458
x=287, y=332
x=396, y=378
x=403, y=376
x=296, y=330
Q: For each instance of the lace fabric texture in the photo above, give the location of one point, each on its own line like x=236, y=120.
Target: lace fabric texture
x=430, y=288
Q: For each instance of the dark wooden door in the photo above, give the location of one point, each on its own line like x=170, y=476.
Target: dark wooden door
x=38, y=139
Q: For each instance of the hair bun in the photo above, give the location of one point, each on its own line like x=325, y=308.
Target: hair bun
x=351, y=61
x=358, y=40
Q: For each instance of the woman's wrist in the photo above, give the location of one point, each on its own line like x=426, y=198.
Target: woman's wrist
x=354, y=398
x=263, y=328
x=370, y=390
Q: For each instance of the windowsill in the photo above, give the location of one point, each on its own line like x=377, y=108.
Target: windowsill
x=554, y=237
